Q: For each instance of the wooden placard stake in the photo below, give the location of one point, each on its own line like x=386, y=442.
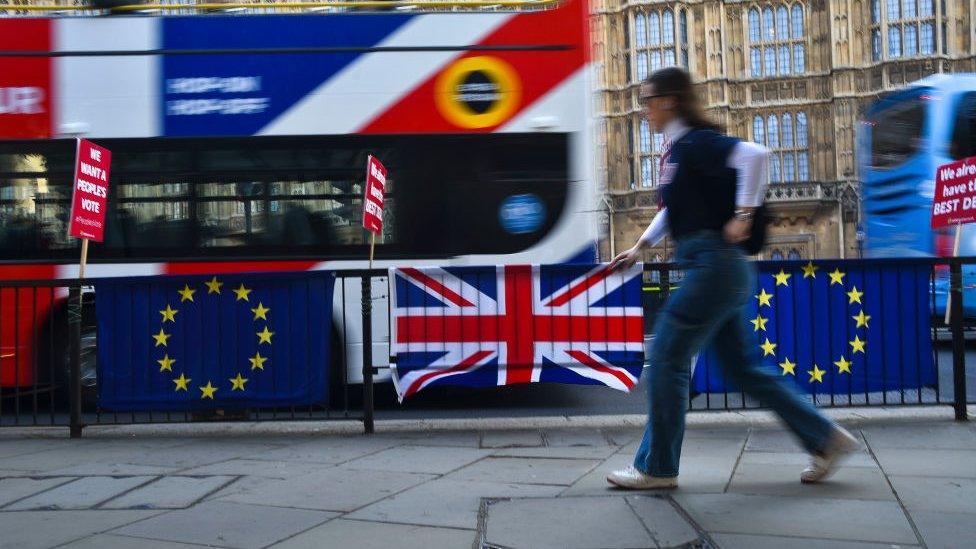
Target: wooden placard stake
x=955, y=253
x=372, y=247
x=84, y=258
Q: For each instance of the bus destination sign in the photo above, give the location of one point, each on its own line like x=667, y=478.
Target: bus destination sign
x=373, y=198
x=90, y=194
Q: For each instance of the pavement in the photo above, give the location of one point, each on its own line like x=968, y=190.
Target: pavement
x=521, y=483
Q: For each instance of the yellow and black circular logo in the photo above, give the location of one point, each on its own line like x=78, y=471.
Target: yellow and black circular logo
x=478, y=92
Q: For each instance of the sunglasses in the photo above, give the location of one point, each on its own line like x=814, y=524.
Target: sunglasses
x=646, y=98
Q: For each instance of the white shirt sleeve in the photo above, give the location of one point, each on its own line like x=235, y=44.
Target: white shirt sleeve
x=657, y=229
x=751, y=161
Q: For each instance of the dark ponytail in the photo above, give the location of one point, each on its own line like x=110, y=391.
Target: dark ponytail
x=676, y=82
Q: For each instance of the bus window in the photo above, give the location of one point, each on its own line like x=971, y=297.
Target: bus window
x=896, y=133
x=150, y=215
x=964, y=132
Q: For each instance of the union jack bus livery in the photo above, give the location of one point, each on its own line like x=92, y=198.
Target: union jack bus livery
x=239, y=143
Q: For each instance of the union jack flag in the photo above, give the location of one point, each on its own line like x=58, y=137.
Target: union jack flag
x=488, y=326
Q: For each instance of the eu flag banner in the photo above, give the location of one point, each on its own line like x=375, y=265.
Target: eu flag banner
x=838, y=328
x=488, y=326
x=198, y=342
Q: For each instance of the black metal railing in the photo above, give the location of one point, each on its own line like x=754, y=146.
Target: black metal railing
x=48, y=340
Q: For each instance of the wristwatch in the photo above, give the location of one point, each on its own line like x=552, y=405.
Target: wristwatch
x=744, y=215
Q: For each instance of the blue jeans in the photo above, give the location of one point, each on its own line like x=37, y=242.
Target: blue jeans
x=708, y=307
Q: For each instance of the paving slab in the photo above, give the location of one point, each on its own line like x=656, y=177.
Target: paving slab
x=110, y=469
x=594, y=483
x=743, y=541
x=327, y=450
x=511, y=439
x=526, y=470
x=196, y=454
x=83, y=493
x=226, y=524
x=942, y=530
x=666, y=525
x=802, y=459
x=784, y=480
x=469, y=439
x=378, y=535
x=692, y=432
x=623, y=436
x=12, y=489
x=779, y=440
x=66, y=456
x=942, y=435
x=446, y=502
x=802, y=517
x=335, y=489
x=242, y=485
x=558, y=452
x=576, y=438
x=44, y=529
x=257, y=468
x=936, y=494
x=175, y=492
x=17, y=447
x=927, y=463
x=565, y=523
x=419, y=459
x=728, y=448
x=111, y=541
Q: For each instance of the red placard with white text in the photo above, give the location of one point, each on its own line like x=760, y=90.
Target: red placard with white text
x=373, y=198
x=90, y=197
x=955, y=194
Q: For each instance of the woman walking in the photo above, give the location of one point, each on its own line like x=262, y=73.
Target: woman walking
x=710, y=186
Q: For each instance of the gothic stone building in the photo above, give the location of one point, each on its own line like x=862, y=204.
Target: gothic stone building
x=794, y=75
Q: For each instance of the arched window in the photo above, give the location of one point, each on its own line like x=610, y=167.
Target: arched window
x=787, y=141
x=787, y=130
x=755, y=61
x=777, y=45
x=782, y=23
x=655, y=44
x=648, y=153
x=769, y=29
x=789, y=174
x=784, y=60
x=799, y=58
x=776, y=255
x=772, y=131
x=905, y=27
x=911, y=41
x=645, y=137
x=758, y=130
x=797, y=21
x=754, y=32
x=683, y=39
x=668, y=29
x=641, y=65
x=793, y=254
x=640, y=30
x=894, y=41
x=801, y=130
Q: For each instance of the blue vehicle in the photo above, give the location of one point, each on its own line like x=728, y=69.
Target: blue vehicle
x=905, y=137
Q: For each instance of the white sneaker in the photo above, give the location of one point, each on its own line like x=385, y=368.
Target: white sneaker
x=633, y=479
x=841, y=444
